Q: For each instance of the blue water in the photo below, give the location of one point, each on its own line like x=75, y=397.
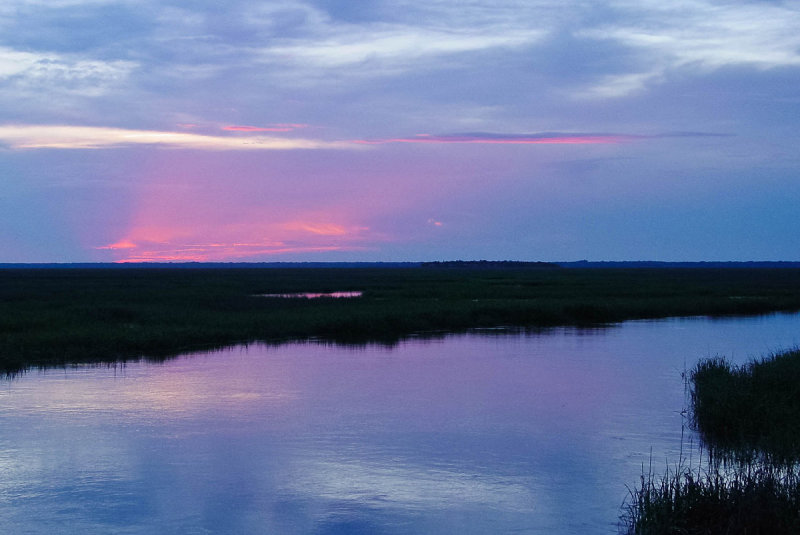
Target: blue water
x=477, y=433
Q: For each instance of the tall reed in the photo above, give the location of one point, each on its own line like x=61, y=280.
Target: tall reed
x=742, y=499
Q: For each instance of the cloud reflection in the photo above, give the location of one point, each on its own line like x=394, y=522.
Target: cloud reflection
x=409, y=486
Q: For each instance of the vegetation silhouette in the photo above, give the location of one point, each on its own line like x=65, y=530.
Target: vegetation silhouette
x=748, y=419
x=57, y=317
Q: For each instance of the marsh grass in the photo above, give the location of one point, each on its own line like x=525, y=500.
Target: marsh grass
x=55, y=317
x=742, y=499
x=749, y=412
x=748, y=420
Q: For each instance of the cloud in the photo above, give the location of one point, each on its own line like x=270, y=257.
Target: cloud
x=91, y=137
x=392, y=44
x=28, y=137
x=161, y=233
x=62, y=72
x=620, y=85
x=16, y=4
x=320, y=229
x=696, y=35
x=122, y=244
x=224, y=252
x=147, y=251
x=282, y=127
x=13, y=62
x=364, y=42
x=541, y=138
x=490, y=138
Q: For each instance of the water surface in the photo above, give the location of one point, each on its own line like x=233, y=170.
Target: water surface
x=315, y=295
x=476, y=433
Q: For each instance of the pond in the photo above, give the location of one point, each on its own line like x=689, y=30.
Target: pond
x=484, y=432
x=315, y=295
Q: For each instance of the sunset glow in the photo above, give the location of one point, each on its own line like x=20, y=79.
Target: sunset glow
x=122, y=244
x=386, y=131
x=321, y=229
x=181, y=244
x=221, y=252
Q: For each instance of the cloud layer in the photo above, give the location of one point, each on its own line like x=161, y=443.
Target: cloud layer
x=532, y=129
x=87, y=137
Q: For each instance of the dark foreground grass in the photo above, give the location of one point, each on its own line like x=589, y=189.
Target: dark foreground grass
x=750, y=411
x=747, y=499
x=54, y=317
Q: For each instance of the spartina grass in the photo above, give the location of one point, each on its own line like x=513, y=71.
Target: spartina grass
x=742, y=499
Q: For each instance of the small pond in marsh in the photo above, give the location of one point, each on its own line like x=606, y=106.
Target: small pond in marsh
x=315, y=295
x=475, y=433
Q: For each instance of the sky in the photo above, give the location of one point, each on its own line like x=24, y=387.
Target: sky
x=399, y=130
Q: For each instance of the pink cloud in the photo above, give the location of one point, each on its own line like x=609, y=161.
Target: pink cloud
x=122, y=244
x=280, y=127
x=158, y=234
x=226, y=252
x=237, y=128
x=516, y=139
x=321, y=229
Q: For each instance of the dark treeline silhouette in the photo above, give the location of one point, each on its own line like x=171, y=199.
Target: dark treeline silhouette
x=488, y=264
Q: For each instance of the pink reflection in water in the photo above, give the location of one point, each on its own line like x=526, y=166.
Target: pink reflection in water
x=313, y=295
x=528, y=433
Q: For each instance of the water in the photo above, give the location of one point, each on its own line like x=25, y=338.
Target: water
x=315, y=295
x=478, y=433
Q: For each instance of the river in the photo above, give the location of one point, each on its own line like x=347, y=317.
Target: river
x=486, y=432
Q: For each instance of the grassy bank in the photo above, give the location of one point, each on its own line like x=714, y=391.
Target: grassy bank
x=58, y=316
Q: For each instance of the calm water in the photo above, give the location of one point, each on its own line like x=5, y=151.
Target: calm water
x=315, y=295
x=474, y=433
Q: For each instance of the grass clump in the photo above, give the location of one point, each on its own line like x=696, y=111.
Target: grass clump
x=748, y=418
x=749, y=411
x=749, y=499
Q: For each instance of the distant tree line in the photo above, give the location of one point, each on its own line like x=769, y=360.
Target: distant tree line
x=486, y=264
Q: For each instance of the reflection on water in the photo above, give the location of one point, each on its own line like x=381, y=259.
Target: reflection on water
x=522, y=433
x=312, y=295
